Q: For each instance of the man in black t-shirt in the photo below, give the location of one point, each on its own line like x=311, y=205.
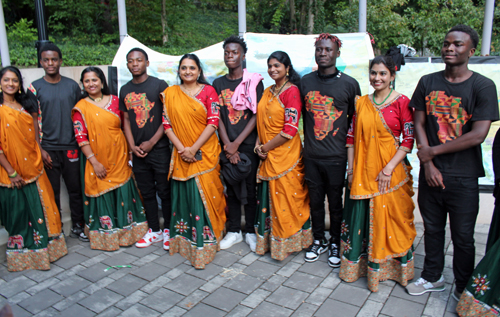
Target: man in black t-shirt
x=143, y=111
x=329, y=103
x=56, y=96
x=238, y=134
x=454, y=109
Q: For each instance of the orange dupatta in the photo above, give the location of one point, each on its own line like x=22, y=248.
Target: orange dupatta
x=289, y=197
x=188, y=118
x=109, y=145
x=392, y=230
x=17, y=138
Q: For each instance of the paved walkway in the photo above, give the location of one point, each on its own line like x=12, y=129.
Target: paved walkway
x=236, y=283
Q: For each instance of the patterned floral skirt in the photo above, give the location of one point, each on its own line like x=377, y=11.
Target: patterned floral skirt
x=267, y=240
x=481, y=296
x=355, y=237
x=29, y=245
x=115, y=218
x=191, y=232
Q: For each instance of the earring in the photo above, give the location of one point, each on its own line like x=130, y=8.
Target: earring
x=390, y=85
x=19, y=90
x=0, y=89
x=286, y=73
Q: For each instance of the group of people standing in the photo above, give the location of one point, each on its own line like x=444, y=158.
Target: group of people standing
x=250, y=136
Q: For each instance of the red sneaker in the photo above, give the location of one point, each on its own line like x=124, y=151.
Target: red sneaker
x=149, y=238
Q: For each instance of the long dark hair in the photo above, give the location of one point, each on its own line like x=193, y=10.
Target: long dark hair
x=284, y=59
x=100, y=74
x=201, y=79
x=21, y=96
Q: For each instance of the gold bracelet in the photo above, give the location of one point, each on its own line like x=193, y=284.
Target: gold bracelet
x=262, y=151
x=13, y=174
x=388, y=175
x=88, y=157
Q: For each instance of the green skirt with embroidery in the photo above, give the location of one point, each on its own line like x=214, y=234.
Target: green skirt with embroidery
x=29, y=245
x=191, y=232
x=114, y=219
x=355, y=237
x=267, y=241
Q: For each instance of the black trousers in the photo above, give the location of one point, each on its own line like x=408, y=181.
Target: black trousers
x=66, y=163
x=234, y=204
x=325, y=178
x=459, y=200
x=151, y=175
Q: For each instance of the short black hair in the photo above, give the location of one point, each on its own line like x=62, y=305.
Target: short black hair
x=50, y=47
x=237, y=40
x=466, y=29
x=137, y=49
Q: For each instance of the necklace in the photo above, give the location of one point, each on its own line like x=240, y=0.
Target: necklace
x=379, y=104
x=190, y=91
x=279, y=91
x=96, y=99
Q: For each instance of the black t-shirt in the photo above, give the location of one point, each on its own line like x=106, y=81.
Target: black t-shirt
x=55, y=102
x=450, y=110
x=144, y=107
x=328, y=104
x=235, y=121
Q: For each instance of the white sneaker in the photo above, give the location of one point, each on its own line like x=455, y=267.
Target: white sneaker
x=231, y=239
x=149, y=238
x=166, y=239
x=251, y=240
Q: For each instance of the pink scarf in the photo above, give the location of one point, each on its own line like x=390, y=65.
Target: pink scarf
x=245, y=95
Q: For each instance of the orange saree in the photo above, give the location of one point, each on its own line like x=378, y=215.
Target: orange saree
x=113, y=209
x=29, y=214
x=377, y=230
x=198, y=202
x=282, y=224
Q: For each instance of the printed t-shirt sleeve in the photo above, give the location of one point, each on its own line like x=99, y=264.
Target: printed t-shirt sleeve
x=260, y=91
x=81, y=133
x=418, y=99
x=31, y=94
x=406, y=122
x=31, y=103
x=212, y=105
x=486, y=103
x=293, y=106
x=350, y=132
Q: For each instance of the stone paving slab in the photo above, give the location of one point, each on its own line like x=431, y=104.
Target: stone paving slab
x=237, y=283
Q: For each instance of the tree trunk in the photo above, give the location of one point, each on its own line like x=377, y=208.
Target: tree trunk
x=293, y=22
x=164, y=21
x=310, y=15
x=302, y=16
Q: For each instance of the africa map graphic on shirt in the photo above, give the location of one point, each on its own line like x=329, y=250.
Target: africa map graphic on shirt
x=324, y=113
x=225, y=100
x=141, y=106
x=450, y=116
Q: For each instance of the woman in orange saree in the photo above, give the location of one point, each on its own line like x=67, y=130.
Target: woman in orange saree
x=282, y=221
x=28, y=210
x=113, y=209
x=191, y=116
x=377, y=231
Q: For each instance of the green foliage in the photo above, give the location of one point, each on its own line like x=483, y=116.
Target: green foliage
x=22, y=32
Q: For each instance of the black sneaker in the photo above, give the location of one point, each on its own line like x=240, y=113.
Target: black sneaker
x=315, y=250
x=333, y=255
x=83, y=237
x=76, y=230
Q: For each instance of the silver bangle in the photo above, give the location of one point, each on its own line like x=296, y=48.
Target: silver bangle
x=88, y=157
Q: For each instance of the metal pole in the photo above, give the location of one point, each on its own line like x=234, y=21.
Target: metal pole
x=122, y=19
x=362, y=16
x=4, y=46
x=41, y=25
x=489, y=9
x=242, y=18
